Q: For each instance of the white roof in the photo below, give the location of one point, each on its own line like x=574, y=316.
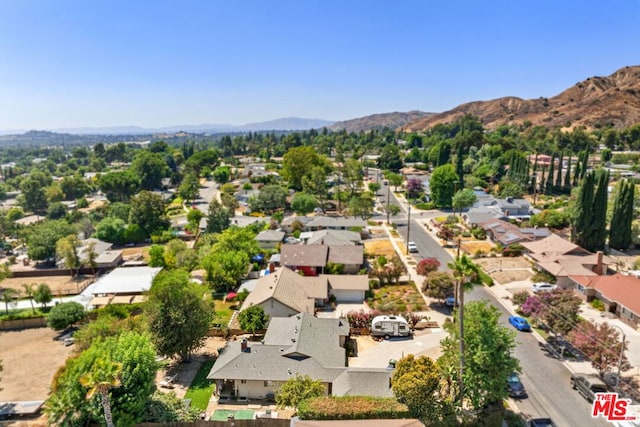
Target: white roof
x=128, y=280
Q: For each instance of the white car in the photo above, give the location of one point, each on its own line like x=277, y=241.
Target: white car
x=412, y=247
x=542, y=287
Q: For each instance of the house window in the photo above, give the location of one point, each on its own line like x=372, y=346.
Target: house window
x=243, y=381
x=580, y=288
x=268, y=383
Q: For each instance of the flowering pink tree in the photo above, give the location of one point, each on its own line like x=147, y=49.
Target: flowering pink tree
x=533, y=307
x=601, y=344
x=427, y=266
x=414, y=188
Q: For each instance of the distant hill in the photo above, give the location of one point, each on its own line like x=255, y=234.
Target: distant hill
x=379, y=121
x=594, y=102
x=283, y=124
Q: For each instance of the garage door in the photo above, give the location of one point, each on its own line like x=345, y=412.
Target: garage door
x=349, y=296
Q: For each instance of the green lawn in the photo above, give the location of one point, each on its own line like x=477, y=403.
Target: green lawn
x=224, y=312
x=201, y=388
x=223, y=414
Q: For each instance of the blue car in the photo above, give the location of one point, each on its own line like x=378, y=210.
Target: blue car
x=519, y=323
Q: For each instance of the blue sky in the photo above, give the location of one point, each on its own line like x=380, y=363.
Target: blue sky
x=68, y=63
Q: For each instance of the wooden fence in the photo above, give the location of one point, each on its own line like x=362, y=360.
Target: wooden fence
x=17, y=324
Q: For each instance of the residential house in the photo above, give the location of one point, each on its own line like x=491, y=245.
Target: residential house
x=506, y=234
x=563, y=259
x=105, y=256
x=312, y=259
x=298, y=345
x=514, y=208
x=270, y=239
x=314, y=223
x=331, y=237
x=347, y=288
x=481, y=214
x=619, y=293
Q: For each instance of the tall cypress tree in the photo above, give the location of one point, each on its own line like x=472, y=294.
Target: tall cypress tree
x=549, y=183
x=459, y=166
x=598, y=233
x=617, y=229
x=567, y=176
x=558, y=184
x=583, y=212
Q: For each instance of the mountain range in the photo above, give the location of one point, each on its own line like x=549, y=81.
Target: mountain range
x=592, y=103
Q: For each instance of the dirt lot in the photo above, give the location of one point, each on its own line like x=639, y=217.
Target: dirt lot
x=30, y=359
x=60, y=285
x=506, y=270
x=379, y=248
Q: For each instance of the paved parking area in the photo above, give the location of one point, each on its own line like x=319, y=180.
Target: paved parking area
x=374, y=354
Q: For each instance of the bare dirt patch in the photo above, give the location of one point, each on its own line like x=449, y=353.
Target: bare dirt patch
x=60, y=285
x=506, y=270
x=136, y=253
x=30, y=358
x=379, y=248
x=474, y=246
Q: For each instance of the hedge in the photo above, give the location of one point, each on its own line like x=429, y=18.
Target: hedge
x=351, y=408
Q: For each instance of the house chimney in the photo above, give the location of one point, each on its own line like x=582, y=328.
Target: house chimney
x=598, y=268
x=243, y=345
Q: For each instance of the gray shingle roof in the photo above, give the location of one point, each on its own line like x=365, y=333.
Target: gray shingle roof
x=270, y=236
x=303, y=255
x=346, y=254
x=334, y=237
x=284, y=286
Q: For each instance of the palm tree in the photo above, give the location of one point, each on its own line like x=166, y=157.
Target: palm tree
x=466, y=273
x=103, y=376
x=8, y=297
x=29, y=291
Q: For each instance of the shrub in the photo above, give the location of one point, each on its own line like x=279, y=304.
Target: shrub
x=543, y=276
x=485, y=278
x=597, y=304
x=351, y=408
x=519, y=298
x=65, y=314
x=479, y=233
x=513, y=250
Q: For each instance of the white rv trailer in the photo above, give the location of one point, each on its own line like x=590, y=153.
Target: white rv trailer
x=390, y=326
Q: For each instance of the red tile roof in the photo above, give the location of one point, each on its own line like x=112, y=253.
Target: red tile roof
x=624, y=290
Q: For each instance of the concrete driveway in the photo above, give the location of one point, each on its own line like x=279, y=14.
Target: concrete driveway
x=376, y=354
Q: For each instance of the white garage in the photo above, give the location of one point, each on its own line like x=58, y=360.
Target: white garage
x=348, y=288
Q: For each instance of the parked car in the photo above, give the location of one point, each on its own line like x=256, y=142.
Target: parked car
x=450, y=301
x=542, y=287
x=541, y=422
x=412, y=247
x=520, y=323
x=588, y=386
x=515, y=387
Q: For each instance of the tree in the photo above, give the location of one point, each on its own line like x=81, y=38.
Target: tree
x=315, y=184
x=561, y=309
x=189, y=187
x=56, y=210
x=103, y=376
x=395, y=179
x=67, y=403
x=439, y=285
x=583, y=211
x=270, y=199
x=193, y=220
x=601, y=344
x=463, y=199
x=414, y=188
x=43, y=295
x=390, y=158
x=303, y=203
x=299, y=162
x=65, y=314
x=224, y=269
x=147, y=211
x=391, y=210
x=221, y=174
x=119, y=186
x=43, y=237
x=361, y=205
x=620, y=236
x=466, y=274
x=111, y=229
x=352, y=174
x=374, y=187
x=253, y=319
x=67, y=249
x=9, y=296
x=297, y=389
x=416, y=383
x=178, y=317
x=74, y=187
x=427, y=266
x=156, y=256
x=487, y=354
x=150, y=168
x=33, y=195
x=442, y=185
x=29, y=291
x=218, y=218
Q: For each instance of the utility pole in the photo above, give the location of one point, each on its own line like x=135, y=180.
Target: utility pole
x=388, y=201
x=408, y=226
x=624, y=337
